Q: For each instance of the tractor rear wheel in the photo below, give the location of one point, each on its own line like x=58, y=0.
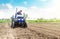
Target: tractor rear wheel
x=13, y=25
x=25, y=25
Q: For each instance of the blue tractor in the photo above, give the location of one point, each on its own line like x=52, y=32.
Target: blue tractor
x=18, y=20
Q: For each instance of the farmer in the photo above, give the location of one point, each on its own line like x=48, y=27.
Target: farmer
x=20, y=12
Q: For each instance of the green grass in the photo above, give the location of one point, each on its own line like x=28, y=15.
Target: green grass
x=4, y=20
x=44, y=20
x=32, y=21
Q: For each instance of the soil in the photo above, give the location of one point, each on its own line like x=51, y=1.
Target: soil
x=33, y=31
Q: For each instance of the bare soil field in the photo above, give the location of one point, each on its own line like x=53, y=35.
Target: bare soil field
x=33, y=31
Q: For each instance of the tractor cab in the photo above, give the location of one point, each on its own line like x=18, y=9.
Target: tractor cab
x=18, y=20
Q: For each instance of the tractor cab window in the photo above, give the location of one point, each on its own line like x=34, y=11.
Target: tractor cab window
x=19, y=16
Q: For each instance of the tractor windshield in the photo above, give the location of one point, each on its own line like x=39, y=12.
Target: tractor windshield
x=19, y=16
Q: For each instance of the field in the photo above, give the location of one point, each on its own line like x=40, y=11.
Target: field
x=35, y=30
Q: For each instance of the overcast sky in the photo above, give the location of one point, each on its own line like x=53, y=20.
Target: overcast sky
x=47, y=9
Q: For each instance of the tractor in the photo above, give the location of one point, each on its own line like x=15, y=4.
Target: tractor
x=18, y=21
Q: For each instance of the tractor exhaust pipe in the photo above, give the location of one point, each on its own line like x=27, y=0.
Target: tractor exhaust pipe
x=16, y=10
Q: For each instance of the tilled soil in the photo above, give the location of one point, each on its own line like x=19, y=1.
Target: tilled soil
x=33, y=31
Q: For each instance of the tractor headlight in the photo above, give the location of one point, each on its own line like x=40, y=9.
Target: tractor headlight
x=22, y=19
x=18, y=19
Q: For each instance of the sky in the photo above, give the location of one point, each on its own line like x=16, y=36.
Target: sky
x=47, y=9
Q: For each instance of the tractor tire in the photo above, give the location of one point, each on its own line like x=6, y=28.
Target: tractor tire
x=25, y=25
x=13, y=25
